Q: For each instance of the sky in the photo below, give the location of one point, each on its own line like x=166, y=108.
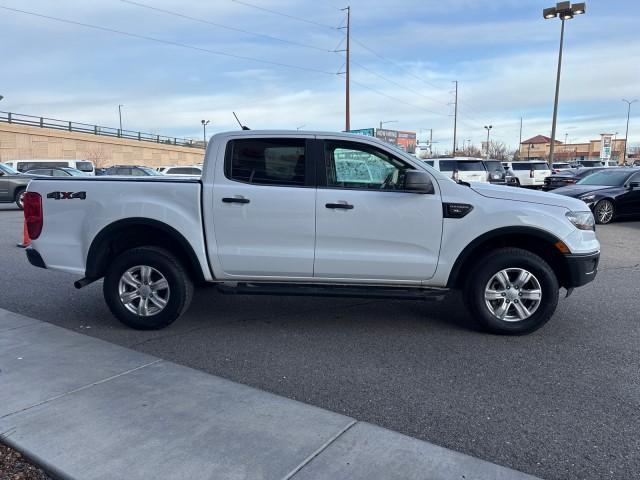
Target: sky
x=277, y=64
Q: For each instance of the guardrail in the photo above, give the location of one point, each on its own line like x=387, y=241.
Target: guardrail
x=44, y=122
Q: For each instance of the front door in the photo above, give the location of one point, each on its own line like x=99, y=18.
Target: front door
x=629, y=202
x=368, y=227
x=264, y=209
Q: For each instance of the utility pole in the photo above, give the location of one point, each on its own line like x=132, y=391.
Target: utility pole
x=347, y=113
x=430, y=141
x=626, y=135
x=204, y=131
x=520, y=132
x=455, y=119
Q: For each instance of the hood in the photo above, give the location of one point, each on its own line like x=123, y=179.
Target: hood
x=578, y=190
x=531, y=196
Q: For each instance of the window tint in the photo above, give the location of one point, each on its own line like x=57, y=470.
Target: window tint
x=40, y=171
x=184, y=171
x=529, y=166
x=138, y=172
x=24, y=166
x=461, y=165
x=7, y=169
x=429, y=162
x=611, y=176
x=60, y=173
x=123, y=171
x=84, y=166
x=591, y=163
x=353, y=165
x=494, y=166
x=267, y=161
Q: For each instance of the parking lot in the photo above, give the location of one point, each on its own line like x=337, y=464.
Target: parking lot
x=561, y=403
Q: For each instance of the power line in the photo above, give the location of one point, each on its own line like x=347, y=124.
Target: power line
x=234, y=29
x=293, y=17
x=166, y=42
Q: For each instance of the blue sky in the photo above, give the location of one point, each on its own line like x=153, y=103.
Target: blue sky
x=405, y=55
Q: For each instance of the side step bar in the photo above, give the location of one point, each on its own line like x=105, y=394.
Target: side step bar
x=399, y=293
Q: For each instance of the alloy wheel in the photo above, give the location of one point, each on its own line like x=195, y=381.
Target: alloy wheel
x=143, y=290
x=513, y=294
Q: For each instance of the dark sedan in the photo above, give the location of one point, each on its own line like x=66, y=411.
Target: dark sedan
x=567, y=177
x=12, y=185
x=611, y=193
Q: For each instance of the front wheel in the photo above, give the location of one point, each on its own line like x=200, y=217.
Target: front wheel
x=147, y=288
x=19, y=198
x=604, y=211
x=511, y=291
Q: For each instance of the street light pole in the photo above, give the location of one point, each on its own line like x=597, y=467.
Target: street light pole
x=120, y=116
x=387, y=121
x=626, y=135
x=565, y=11
x=204, y=131
x=488, y=130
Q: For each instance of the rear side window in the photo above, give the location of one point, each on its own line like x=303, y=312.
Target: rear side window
x=461, y=166
x=278, y=162
x=84, y=166
x=24, y=166
x=123, y=171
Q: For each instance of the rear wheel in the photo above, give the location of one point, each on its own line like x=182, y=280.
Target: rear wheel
x=511, y=291
x=604, y=211
x=19, y=198
x=147, y=288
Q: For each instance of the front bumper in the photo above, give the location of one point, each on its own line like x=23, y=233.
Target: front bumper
x=582, y=269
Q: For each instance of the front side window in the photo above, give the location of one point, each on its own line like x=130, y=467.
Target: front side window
x=123, y=171
x=352, y=165
x=265, y=161
x=608, y=177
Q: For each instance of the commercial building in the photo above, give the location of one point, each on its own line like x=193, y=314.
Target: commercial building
x=606, y=147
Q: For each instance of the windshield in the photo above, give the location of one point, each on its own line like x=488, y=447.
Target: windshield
x=613, y=178
x=7, y=169
x=591, y=163
x=150, y=171
x=84, y=166
x=461, y=165
x=494, y=166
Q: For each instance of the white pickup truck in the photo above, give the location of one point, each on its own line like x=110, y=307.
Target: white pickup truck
x=310, y=213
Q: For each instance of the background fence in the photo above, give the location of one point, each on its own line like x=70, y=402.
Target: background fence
x=44, y=122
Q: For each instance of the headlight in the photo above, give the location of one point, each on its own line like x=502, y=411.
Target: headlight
x=588, y=198
x=582, y=220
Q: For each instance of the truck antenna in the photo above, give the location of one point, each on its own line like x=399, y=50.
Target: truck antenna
x=243, y=127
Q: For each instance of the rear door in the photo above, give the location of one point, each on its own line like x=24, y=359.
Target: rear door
x=367, y=226
x=264, y=208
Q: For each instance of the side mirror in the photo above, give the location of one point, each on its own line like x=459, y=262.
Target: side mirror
x=416, y=181
x=634, y=185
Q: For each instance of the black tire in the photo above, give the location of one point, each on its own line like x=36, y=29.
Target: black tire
x=604, y=212
x=180, y=287
x=19, y=197
x=510, y=258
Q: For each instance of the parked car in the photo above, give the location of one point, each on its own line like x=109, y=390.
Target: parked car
x=131, y=170
x=85, y=166
x=188, y=171
x=609, y=193
x=558, y=167
x=496, y=173
x=276, y=213
x=13, y=185
x=57, y=172
x=530, y=174
x=591, y=163
x=461, y=168
x=568, y=177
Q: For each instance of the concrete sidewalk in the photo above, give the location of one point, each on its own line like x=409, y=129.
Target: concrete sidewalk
x=83, y=408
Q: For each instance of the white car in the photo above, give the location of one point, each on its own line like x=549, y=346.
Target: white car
x=85, y=166
x=529, y=174
x=461, y=168
x=182, y=170
x=558, y=167
x=312, y=213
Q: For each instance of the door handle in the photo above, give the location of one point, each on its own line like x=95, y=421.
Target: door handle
x=344, y=206
x=235, y=200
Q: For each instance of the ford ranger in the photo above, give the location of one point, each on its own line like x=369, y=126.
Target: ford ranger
x=311, y=213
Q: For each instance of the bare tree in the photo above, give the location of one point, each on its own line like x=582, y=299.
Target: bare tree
x=498, y=150
x=96, y=154
x=470, y=151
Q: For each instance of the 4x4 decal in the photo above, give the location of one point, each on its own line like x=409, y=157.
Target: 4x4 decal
x=67, y=195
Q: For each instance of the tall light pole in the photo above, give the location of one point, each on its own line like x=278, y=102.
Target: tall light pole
x=120, y=116
x=300, y=127
x=204, y=131
x=488, y=130
x=565, y=11
x=626, y=135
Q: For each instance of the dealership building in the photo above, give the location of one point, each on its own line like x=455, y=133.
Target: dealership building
x=607, y=147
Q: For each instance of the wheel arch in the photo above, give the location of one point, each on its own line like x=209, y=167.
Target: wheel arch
x=129, y=233
x=533, y=239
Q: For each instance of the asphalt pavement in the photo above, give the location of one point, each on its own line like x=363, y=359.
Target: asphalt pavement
x=561, y=403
